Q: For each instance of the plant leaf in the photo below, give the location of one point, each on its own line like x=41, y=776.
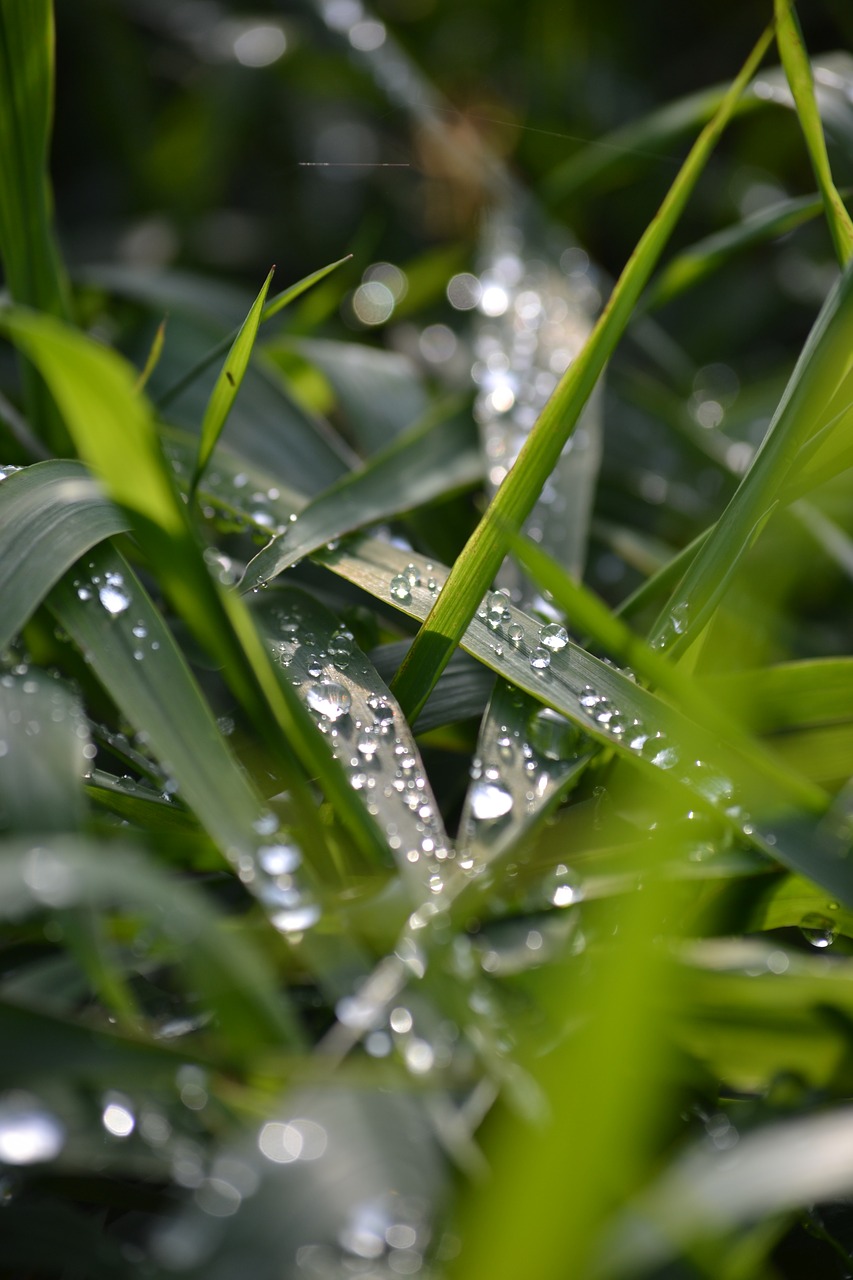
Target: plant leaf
x=479, y=561
x=228, y=383
x=50, y=515
x=435, y=458
x=799, y=74
x=46, y=752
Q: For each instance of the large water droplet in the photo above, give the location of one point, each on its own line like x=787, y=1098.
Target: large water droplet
x=279, y=859
x=554, y=637
x=112, y=594
x=29, y=1134
x=819, y=930
x=400, y=588
x=329, y=700
x=540, y=658
x=489, y=800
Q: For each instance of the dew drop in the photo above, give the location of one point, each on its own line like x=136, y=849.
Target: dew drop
x=819, y=930
x=113, y=596
x=489, y=800
x=29, y=1133
x=540, y=658
x=279, y=859
x=400, y=588
x=554, y=637
x=329, y=700
x=515, y=633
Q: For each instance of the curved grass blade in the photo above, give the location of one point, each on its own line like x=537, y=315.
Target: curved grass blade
x=636, y=724
x=435, y=458
x=480, y=559
x=228, y=384
x=820, y=384
x=46, y=752
x=71, y=872
x=115, y=432
x=527, y=757
x=50, y=515
x=366, y=732
x=270, y=309
x=700, y=260
x=798, y=70
x=153, y=357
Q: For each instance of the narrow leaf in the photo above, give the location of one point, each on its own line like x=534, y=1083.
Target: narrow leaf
x=228, y=383
x=482, y=555
x=799, y=73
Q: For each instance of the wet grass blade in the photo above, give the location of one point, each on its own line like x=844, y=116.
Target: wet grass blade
x=73, y=872
x=41, y=767
x=799, y=73
x=370, y=736
x=50, y=515
x=436, y=458
x=818, y=388
x=115, y=433
x=228, y=384
x=272, y=308
x=482, y=555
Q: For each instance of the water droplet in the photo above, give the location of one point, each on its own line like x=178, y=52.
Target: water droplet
x=296, y=919
x=329, y=700
x=412, y=575
x=400, y=588
x=678, y=618
x=489, y=800
x=29, y=1133
x=553, y=736
x=819, y=930
x=540, y=658
x=279, y=859
x=113, y=596
x=553, y=637
x=515, y=633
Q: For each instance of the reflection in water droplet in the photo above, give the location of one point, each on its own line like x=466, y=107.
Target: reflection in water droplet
x=400, y=588
x=554, y=637
x=489, y=800
x=540, y=658
x=329, y=700
x=29, y=1133
x=279, y=859
x=819, y=930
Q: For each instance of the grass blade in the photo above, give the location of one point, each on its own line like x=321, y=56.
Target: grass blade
x=437, y=457
x=819, y=385
x=153, y=357
x=228, y=384
x=482, y=555
x=42, y=769
x=799, y=73
x=271, y=309
x=50, y=515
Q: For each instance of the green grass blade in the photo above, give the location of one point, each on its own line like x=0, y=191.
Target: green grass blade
x=819, y=385
x=352, y=705
x=270, y=309
x=233, y=976
x=50, y=515
x=799, y=73
x=482, y=555
x=700, y=260
x=31, y=261
x=115, y=433
x=153, y=357
x=228, y=384
x=435, y=458
x=42, y=765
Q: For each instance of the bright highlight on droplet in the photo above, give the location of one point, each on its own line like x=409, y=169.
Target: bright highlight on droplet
x=29, y=1133
x=368, y=35
x=297, y=1140
x=118, y=1120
